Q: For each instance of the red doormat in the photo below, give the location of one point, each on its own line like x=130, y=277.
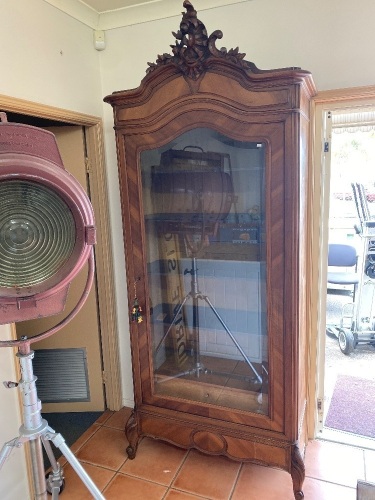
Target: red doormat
x=352, y=407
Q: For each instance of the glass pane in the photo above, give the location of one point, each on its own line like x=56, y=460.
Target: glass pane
x=203, y=197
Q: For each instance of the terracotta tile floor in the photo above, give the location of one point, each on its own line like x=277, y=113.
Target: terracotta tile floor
x=164, y=472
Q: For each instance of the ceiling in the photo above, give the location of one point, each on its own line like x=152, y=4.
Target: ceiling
x=111, y=14
x=107, y=5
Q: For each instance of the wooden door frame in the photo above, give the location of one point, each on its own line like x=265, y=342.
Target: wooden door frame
x=329, y=100
x=103, y=249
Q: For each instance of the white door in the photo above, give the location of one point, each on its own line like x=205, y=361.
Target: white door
x=77, y=346
x=324, y=121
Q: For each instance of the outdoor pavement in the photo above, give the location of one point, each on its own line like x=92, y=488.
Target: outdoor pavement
x=361, y=362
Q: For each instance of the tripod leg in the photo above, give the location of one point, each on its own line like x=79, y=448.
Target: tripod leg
x=196, y=337
x=172, y=323
x=259, y=378
x=7, y=449
x=55, y=480
x=51, y=456
x=59, y=442
x=40, y=486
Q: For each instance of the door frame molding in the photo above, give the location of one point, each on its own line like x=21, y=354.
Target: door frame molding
x=103, y=250
x=328, y=100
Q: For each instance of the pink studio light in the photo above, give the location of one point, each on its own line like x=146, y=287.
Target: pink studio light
x=47, y=229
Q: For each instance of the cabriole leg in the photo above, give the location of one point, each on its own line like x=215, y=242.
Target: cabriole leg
x=297, y=472
x=132, y=435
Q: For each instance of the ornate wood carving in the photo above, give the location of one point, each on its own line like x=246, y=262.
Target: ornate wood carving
x=132, y=434
x=193, y=48
x=297, y=472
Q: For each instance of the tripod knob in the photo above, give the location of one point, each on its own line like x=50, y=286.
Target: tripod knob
x=193, y=271
x=10, y=385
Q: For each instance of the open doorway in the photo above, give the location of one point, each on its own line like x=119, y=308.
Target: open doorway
x=349, y=349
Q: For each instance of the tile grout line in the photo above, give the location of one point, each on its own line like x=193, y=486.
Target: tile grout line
x=177, y=472
x=236, y=481
x=331, y=482
x=364, y=465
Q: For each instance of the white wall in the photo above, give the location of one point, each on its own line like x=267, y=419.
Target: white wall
x=334, y=40
x=13, y=475
x=48, y=57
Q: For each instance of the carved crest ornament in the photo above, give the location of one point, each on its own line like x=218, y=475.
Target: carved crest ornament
x=194, y=48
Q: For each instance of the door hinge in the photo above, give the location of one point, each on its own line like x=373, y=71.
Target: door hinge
x=326, y=147
x=104, y=377
x=88, y=165
x=319, y=404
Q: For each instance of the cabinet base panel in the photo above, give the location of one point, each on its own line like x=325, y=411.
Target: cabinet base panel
x=213, y=440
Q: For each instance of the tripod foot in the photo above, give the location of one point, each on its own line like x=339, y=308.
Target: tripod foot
x=59, y=442
x=55, y=481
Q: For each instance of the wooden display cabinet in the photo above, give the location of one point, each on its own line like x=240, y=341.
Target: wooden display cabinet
x=212, y=156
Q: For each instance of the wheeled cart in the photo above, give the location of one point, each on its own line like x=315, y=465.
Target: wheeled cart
x=357, y=323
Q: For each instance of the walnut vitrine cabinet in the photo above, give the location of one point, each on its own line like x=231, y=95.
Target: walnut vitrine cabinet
x=212, y=158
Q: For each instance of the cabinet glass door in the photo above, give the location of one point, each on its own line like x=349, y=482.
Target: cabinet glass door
x=204, y=209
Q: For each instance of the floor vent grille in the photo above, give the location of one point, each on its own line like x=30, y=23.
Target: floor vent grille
x=62, y=375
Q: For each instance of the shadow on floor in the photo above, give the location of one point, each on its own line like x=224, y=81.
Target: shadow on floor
x=70, y=425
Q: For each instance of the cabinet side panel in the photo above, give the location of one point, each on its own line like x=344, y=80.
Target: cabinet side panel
x=304, y=264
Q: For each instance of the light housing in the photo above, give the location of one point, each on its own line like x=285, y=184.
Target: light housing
x=47, y=225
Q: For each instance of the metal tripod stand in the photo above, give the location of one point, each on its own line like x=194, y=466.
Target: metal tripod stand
x=36, y=432
x=35, y=429
x=196, y=295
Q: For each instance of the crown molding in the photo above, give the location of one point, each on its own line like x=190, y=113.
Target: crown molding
x=78, y=10
x=152, y=11
x=135, y=14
